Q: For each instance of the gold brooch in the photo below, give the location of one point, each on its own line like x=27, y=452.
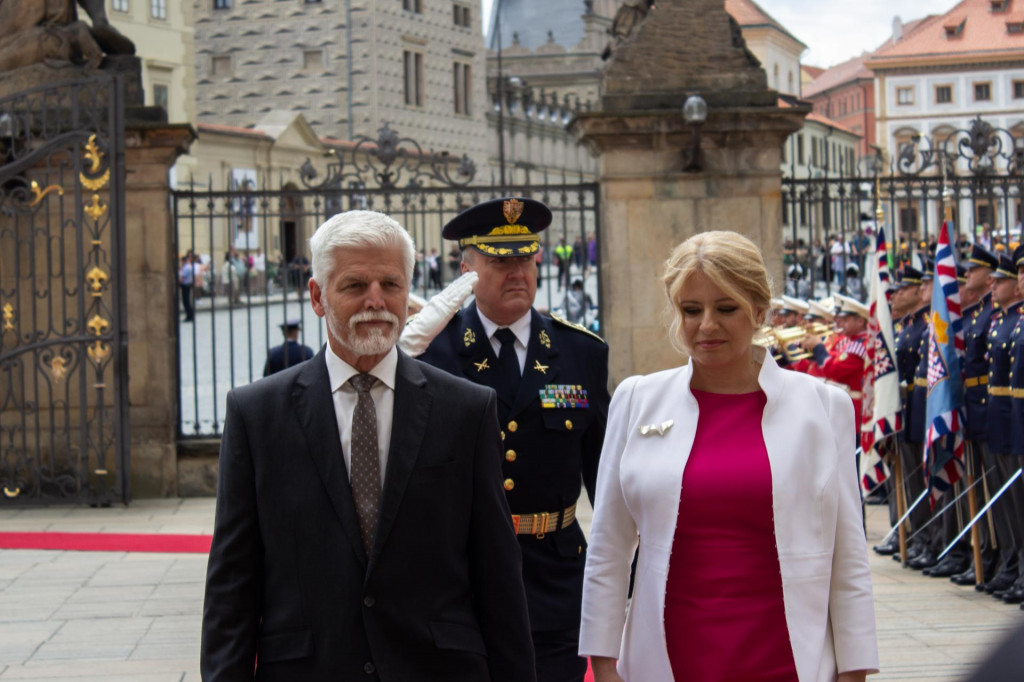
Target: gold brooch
x=469, y=338
x=545, y=340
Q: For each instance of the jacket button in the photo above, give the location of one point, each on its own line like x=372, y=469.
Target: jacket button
x=503, y=435
x=369, y=668
x=568, y=425
x=509, y=484
x=512, y=426
x=369, y=601
x=510, y=456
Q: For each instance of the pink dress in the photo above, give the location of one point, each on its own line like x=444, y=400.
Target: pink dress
x=725, y=620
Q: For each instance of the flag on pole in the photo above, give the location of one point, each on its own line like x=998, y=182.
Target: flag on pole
x=944, y=441
x=882, y=413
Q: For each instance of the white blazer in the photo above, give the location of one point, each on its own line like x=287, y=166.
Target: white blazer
x=826, y=582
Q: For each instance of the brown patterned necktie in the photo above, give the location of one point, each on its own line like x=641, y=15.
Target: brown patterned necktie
x=365, y=459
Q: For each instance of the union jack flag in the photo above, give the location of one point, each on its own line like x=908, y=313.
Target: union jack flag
x=881, y=406
x=944, y=441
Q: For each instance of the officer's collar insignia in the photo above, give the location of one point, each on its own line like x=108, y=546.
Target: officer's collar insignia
x=543, y=369
x=481, y=366
x=469, y=337
x=512, y=208
x=545, y=340
x=572, y=396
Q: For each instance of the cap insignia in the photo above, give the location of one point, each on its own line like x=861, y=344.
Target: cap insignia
x=512, y=208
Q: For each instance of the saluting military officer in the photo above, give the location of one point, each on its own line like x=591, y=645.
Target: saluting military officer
x=979, y=265
x=552, y=383
x=1006, y=296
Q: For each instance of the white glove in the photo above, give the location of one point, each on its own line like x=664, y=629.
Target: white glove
x=435, y=315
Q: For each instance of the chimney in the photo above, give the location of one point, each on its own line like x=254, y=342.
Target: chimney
x=897, y=29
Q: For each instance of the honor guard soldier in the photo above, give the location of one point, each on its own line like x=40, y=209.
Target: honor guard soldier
x=552, y=383
x=976, y=316
x=1006, y=297
x=844, y=365
x=914, y=297
x=1015, y=594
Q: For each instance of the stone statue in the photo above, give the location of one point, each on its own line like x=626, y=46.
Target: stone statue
x=50, y=32
x=625, y=23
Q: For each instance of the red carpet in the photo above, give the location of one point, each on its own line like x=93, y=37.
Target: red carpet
x=108, y=542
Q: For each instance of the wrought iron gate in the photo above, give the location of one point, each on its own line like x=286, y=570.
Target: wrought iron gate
x=63, y=350
x=977, y=171
x=239, y=305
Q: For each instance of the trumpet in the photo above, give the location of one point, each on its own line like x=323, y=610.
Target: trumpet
x=787, y=339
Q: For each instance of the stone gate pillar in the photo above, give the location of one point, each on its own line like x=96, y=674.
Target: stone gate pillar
x=152, y=292
x=649, y=202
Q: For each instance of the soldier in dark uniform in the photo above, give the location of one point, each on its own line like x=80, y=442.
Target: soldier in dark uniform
x=289, y=353
x=552, y=383
x=979, y=266
x=999, y=423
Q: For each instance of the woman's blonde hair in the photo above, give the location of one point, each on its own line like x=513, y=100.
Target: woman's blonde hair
x=728, y=259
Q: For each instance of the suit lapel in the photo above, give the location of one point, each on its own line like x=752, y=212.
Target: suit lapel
x=540, y=368
x=408, y=428
x=479, y=363
x=315, y=408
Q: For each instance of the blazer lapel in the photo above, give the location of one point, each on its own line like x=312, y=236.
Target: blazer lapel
x=540, y=368
x=315, y=409
x=408, y=428
x=479, y=363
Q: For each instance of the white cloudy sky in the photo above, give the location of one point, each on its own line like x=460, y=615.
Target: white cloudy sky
x=836, y=30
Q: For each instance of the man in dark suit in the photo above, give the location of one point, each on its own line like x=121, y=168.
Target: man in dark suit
x=289, y=353
x=361, y=529
x=552, y=383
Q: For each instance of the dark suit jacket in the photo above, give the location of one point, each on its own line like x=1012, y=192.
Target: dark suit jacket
x=288, y=584
x=548, y=451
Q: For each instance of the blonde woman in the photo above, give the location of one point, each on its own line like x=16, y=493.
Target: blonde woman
x=739, y=478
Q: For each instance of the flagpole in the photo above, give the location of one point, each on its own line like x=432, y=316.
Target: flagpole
x=901, y=501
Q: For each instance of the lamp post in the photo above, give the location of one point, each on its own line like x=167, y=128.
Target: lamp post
x=501, y=97
x=695, y=113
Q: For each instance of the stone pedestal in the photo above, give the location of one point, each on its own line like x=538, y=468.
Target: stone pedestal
x=649, y=203
x=151, y=279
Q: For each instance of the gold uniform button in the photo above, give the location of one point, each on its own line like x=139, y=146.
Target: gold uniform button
x=509, y=484
x=510, y=456
x=568, y=424
x=512, y=426
x=503, y=435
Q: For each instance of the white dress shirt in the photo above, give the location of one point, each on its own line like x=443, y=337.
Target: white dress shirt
x=521, y=329
x=345, y=397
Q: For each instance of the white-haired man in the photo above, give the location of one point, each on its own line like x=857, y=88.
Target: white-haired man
x=361, y=529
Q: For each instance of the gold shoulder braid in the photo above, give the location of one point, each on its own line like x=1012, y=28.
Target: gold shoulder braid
x=577, y=327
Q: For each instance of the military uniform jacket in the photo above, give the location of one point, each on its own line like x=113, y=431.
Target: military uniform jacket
x=278, y=359
x=908, y=359
x=918, y=424
x=1017, y=384
x=549, y=445
x=1000, y=404
x=975, y=363
x=844, y=367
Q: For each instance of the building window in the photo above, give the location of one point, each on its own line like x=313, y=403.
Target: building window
x=119, y=5
x=460, y=15
x=413, y=6
x=943, y=94
x=800, y=149
x=160, y=96
x=904, y=96
x=982, y=92
x=222, y=4
x=313, y=59
x=413, y=78
x=462, y=83
x=158, y=9
x=220, y=66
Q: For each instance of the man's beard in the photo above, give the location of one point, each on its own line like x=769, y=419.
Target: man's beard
x=375, y=342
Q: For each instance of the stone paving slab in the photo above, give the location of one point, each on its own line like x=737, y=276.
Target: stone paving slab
x=126, y=617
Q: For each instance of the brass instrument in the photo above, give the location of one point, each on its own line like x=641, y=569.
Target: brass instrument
x=787, y=337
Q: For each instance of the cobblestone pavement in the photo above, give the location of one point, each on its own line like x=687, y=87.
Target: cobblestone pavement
x=119, y=617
